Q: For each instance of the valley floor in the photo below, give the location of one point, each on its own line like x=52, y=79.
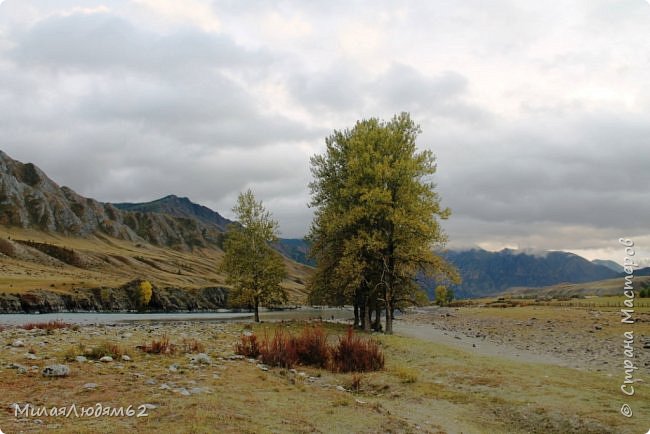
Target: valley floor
x=433, y=382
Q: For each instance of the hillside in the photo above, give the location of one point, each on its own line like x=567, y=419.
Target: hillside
x=600, y=288
x=296, y=249
x=53, y=239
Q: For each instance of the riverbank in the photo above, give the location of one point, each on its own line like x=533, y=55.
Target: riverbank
x=427, y=386
x=587, y=339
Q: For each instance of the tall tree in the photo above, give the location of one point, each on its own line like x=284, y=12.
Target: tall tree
x=252, y=267
x=376, y=223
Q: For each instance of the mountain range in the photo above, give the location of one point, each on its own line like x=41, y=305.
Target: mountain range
x=489, y=273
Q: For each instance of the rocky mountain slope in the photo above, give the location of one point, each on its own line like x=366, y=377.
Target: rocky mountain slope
x=29, y=199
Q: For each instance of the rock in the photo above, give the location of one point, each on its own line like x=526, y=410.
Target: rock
x=80, y=359
x=198, y=390
x=126, y=358
x=341, y=388
x=236, y=357
x=17, y=343
x=106, y=359
x=263, y=367
x=201, y=358
x=183, y=391
x=173, y=368
x=164, y=386
x=31, y=356
x=21, y=368
x=150, y=406
x=90, y=386
x=56, y=371
x=150, y=382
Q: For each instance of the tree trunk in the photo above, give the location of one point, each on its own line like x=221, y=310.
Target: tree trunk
x=369, y=320
x=377, y=325
x=356, y=314
x=365, y=324
x=389, y=309
x=389, y=318
x=256, y=302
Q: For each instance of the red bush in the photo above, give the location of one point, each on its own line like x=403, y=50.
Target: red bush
x=51, y=325
x=312, y=348
x=248, y=346
x=353, y=354
x=162, y=346
x=279, y=351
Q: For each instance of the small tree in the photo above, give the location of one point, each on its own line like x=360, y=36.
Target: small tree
x=442, y=294
x=252, y=267
x=145, y=291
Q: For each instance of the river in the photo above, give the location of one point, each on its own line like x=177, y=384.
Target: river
x=115, y=318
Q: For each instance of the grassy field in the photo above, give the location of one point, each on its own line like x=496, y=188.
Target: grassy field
x=425, y=387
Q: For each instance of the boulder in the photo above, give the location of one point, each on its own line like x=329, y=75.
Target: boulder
x=56, y=371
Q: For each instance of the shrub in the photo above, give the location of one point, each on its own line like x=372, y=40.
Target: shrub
x=106, y=349
x=72, y=352
x=353, y=354
x=49, y=326
x=159, y=346
x=248, y=346
x=279, y=351
x=193, y=346
x=312, y=348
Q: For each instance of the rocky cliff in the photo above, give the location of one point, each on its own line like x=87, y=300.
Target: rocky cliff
x=122, y=299
x=29, y=199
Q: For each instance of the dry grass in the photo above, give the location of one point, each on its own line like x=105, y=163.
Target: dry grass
x=159, y=346
x=192, y=346
x=49, y=326
x=110, y=349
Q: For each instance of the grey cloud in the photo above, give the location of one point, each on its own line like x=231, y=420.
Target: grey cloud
x=101, y=42
x=400, y=88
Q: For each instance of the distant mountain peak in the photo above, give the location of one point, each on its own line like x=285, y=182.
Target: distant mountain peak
x=181, y=207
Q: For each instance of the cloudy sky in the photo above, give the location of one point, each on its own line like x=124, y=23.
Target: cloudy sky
x=538, y=112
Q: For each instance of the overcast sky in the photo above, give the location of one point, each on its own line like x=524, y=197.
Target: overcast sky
x=538, y=112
